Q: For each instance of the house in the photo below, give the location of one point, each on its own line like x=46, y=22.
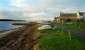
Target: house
x=82, y=15
x=57, y=20
x=69, y=16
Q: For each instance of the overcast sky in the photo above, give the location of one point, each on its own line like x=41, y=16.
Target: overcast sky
x=38, y=9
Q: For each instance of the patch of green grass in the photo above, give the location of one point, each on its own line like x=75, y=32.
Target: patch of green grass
x=59, y=40
x=75, y=26
x=72, y=26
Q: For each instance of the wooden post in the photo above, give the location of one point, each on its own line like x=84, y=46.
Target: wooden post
x=69, y=34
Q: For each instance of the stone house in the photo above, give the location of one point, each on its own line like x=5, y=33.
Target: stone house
x=82, y=15
x=67, y=17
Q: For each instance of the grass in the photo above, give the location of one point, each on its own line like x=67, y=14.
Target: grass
x=59, y=40
x=72, y=26
x=75, y=26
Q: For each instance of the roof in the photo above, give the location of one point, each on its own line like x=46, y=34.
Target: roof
x=68, y=14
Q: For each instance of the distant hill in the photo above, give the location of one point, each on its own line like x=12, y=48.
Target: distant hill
x=10, y=20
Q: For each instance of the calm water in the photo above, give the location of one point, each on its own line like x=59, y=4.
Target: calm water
x=6, y=26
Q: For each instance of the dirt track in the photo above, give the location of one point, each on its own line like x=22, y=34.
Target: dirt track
x=21, y=39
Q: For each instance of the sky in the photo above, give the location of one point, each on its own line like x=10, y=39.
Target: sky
x=38, y=9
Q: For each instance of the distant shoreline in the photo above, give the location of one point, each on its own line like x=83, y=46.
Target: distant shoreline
x=10, y=20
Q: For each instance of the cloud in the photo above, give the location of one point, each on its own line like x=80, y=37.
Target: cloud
x=32, y=10
x=41, y=5
x=20, y=5
x=17, y=3
x=1, y=15
x=36, y=6
x=45, y=8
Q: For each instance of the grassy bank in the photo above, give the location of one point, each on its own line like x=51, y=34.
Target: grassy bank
x=75, y=26
x=59, y=40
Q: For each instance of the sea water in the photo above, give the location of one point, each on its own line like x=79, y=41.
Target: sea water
x=6, y=25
